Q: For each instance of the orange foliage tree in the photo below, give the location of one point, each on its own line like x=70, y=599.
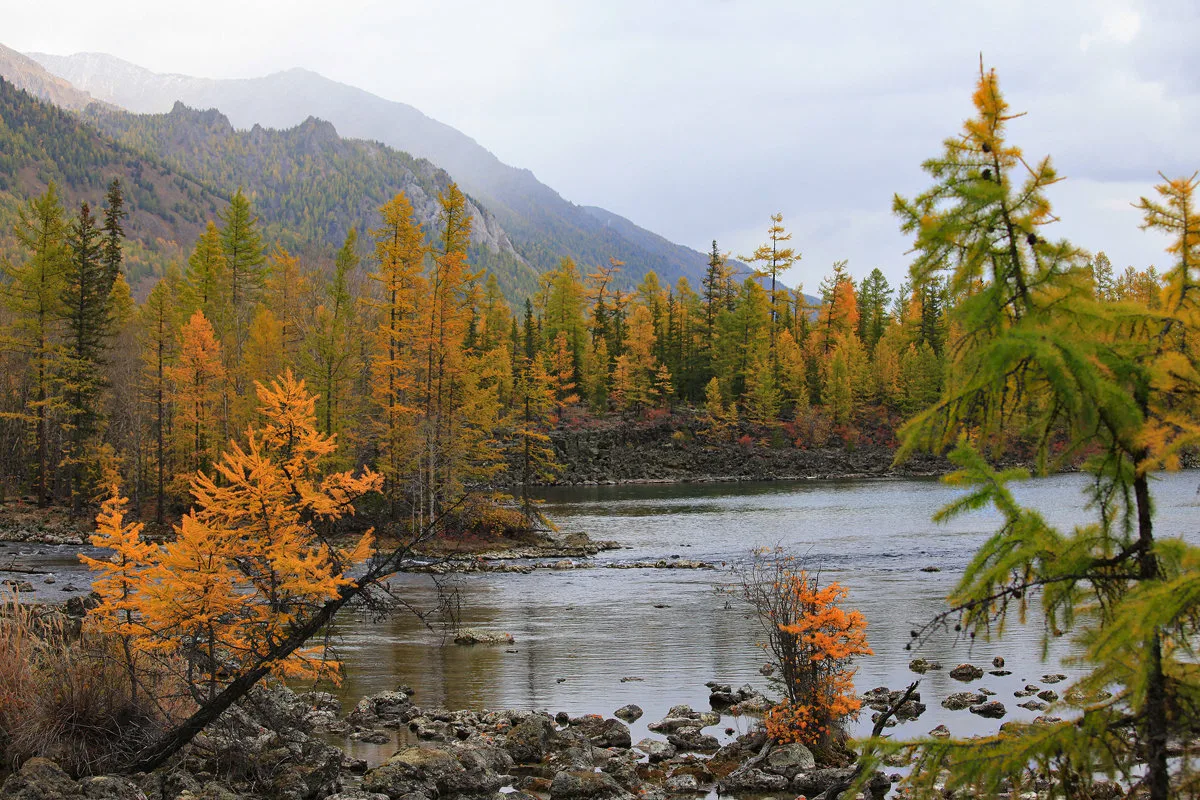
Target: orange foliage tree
x=813, y=641
x=253, y=572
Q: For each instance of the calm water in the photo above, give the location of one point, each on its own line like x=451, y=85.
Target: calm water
x=579, y=632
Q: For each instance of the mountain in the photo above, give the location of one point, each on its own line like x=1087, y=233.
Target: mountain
x=25, y=73
x=542, y=225
x=309, y=185
x=40, y=143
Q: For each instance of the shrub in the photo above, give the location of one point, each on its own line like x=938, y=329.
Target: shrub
x=813, y=642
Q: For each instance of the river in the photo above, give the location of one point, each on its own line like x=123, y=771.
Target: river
x=580, y=632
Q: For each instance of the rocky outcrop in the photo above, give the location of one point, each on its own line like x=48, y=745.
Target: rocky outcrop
x=678, y=449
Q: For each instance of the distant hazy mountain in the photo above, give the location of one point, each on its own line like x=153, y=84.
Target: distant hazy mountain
x=25, y=73
x=543, y=226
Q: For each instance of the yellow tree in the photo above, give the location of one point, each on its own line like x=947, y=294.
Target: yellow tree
x=774, y=257
x=198, y=378
x=402, y=291
x=120, y=578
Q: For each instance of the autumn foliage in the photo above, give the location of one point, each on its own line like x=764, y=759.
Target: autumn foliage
x=813, y=641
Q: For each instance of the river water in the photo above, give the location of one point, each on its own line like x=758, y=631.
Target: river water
x=580, y=632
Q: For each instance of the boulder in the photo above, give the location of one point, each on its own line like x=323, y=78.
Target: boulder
x=691, y=740
x=476, y=636
x=1032, y=705
x=960, y=700
x=921, y=665
x=940, y=732
x=602, y=732
x=529, y=741
x=586, y=785
x=966, y=673
x=39, y=779
x=992, y=709
x=433, y=772
x=1057, y=677
x=752, y=779
x=682, y=784
x=789, y=759
x=816, y=781
x=628, y=713
x=656, y=749
x=1049, y=695
x=111, y=787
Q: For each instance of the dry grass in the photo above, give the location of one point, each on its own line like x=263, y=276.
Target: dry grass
x=67, y=696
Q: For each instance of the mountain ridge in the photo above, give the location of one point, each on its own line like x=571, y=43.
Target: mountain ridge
x=543, y=225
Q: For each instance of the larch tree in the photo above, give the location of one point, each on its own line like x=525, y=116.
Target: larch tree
x=1032, y=346
x=245, y=259
x=198, y=377
x=34, y=295
x=330, y=355
x=773, y=259
x=159, y=340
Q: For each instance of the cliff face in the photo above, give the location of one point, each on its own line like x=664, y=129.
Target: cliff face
x=667, y=451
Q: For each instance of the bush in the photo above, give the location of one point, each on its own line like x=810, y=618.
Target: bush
x=813, y=642
x=65, y=696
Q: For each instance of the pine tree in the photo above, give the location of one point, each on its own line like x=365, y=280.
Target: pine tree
x=114, y=230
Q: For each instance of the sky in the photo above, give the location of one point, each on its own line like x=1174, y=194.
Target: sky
x=698, y=120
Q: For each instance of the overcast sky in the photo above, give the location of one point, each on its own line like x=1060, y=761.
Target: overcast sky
x=699, y=119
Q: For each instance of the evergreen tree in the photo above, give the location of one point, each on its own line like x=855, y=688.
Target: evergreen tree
x=245, y=260
x=88, y=316
x=775, y=259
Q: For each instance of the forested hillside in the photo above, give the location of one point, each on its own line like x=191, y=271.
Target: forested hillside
x=310, y=186
x=40, y=144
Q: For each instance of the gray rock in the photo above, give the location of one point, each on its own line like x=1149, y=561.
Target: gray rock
x=629, y=713
x=966, y=673
x=691, y=740
x=110, y=787
x=529, y=742
x=682, y=784
x=476, y=636
x=433, y=772
x=39, y=779
x=375, y=736
x=656, y=749
x=960, y=700
x=1054, y=678
x=816, y=781
x=359, y=794
x=1049, y=695
x=751, y=779
x=940, y=732
x=1032, y=705
x=921, y=665
x=602, y=732
x=583, y=784
x=993, y=709
x=788, y=759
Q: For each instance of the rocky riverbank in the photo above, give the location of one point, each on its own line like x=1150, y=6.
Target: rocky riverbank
x=671, y=450
x=276, y=745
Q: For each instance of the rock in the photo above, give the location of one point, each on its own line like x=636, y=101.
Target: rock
x=766, y=669
x=1049, y=695
x=574, y=784
x=999, y=673
x=940, y=732
x=433, y=772
x=656, y=749
x=39, y=779
x=1032, y=705
x=750, y=779
x=931, y=568
x=682, y=784
x=628, y=713
x=359, y=794
x=1030, y=689
x=604, y=732
x=529, y=741
x=49, y=580
x=998, y=662
x=1054, y=678
x=376, y=736
x=816, y=781
x=992, y=709
x=788, y=759
x=921, y=665
x=110, y=787
x=966, y=673
x=631, y=679
x=17, y=585
x=960, y=700
x=467, y=636
x=691, y=740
